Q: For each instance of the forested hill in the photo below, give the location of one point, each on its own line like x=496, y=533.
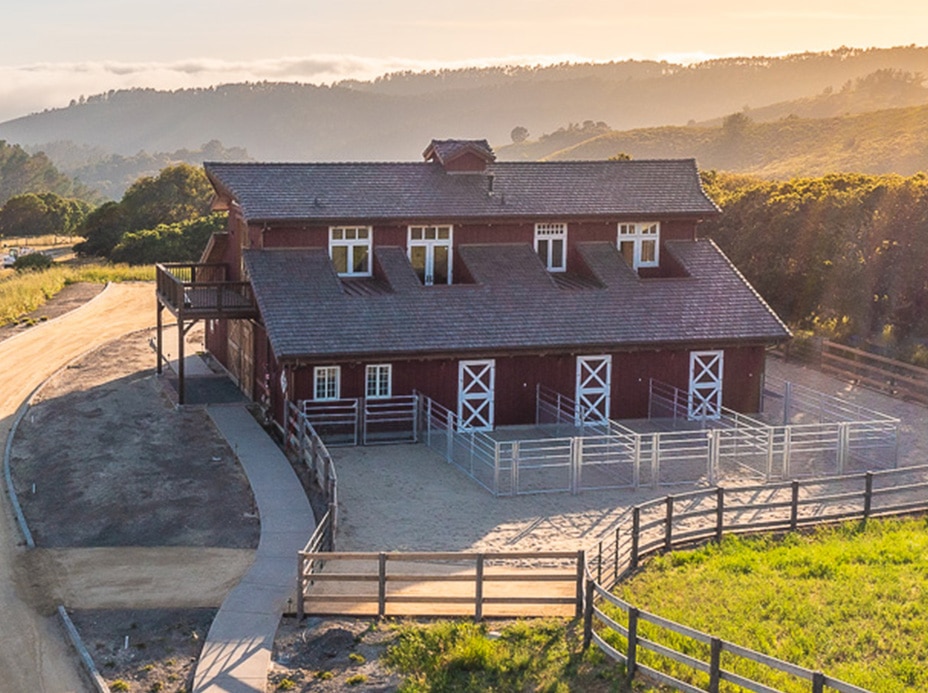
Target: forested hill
x=22, y=173
x=395, y=116
x=891, y=141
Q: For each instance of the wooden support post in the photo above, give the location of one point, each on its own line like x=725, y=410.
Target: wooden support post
x=159, y=337
x=715, y=665
x=478, y=590
x=719, y=513
x=581, y=562
x=794, y=507
x=300, y=587
x=668, y=525
x=381, y=585
x=818, y=682
x=631, y=657
x=599, y=563
x=636, y=527
x=588, y=615
x=868, y=494
x=181, y=394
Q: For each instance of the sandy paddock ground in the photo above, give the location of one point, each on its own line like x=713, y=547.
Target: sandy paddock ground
x=405, y=497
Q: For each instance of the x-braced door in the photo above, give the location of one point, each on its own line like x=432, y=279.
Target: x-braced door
x=475, y=394
x=594, y=378
x=705, y=396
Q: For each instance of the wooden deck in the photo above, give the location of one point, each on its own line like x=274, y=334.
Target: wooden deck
x=198, y=291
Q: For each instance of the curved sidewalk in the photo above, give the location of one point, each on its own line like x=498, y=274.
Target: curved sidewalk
x=237, y=652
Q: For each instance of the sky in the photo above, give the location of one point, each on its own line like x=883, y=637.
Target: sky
x=57, y=50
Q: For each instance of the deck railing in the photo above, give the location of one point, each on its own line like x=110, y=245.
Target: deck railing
x=202, y=290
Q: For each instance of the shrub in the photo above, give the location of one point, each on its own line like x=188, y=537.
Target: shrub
x=32, y=262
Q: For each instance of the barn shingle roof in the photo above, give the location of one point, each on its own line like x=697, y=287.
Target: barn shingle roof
x=368, y=192
x=513, y=304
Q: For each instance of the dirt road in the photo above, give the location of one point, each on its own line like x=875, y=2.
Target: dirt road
x=33, y=654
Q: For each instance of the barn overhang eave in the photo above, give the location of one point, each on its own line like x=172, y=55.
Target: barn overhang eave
x=570, y=349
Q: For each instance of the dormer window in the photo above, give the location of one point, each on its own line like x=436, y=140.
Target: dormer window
x=430, y=253
x=350, y=250
x=640, y=243
x=551, y=246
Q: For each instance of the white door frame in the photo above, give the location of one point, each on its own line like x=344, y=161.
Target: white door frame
x=476, y=387
x=594, y=385
x=705, y=392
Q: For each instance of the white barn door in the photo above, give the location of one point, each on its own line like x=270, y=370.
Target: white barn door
x=705, y=396
x=476, y=382
x=594, y=382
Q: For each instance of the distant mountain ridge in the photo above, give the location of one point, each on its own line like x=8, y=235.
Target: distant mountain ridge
x=394, y=117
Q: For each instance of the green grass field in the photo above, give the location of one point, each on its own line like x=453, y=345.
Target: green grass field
x=24, y=292
x=539, y=655
x=851, y=601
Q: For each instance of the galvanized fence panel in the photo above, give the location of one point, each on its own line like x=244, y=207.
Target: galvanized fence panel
x=390, y=420
x=336, y=421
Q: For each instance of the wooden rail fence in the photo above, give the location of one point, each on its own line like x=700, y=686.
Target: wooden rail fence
x=688, y=519
x=877, y=372
x=478, y=585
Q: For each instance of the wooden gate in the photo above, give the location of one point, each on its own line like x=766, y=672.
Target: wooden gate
x=476, y=382
x=241, y=355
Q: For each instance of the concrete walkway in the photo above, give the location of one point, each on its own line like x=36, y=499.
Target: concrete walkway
x=237, y=651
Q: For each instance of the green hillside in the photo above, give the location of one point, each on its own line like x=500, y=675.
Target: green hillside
x=889, y=141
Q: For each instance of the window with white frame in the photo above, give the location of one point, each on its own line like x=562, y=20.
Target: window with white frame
x=430, y=253
x=350, y=250
x=640, y=243
x=551, y=246
x=327, y=382
x=379, y=381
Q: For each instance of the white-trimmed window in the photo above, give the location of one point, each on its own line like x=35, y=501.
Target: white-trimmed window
x=551, y=246
x=327, y=382
x=350, y=250
x=430, y=253
x=640, y=243
x=379, y=381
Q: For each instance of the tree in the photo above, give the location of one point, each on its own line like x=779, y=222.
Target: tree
x=519, y=134
x=102, y=229
x=41, y=214
x=179, y=193
x=180, y=242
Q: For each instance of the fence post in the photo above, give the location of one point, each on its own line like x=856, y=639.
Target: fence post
x=631, y=660
x=769, y=453
x=333, y=520
x=655, y=460
x=636, y=526
x=794, y=507
x=581, y=564
x=449, y=443
x=381, y=584
x=868, y=494
x=514, y=470
x=576, y=464
x=719, y=512
x=787, y=401
x=843, y=445
x=712, y=461
x=415, y=418
x=478, y=590
x=787, y=450
x=715, y=664
x=818, y=682
x=668, y=524
x=588, y=615
x=615, y=559
x=428, y=421
x=636, y=462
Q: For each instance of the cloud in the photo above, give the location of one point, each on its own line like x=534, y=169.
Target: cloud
x=26, y=89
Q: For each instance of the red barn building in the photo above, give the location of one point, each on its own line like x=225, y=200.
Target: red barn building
x=474, y=281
